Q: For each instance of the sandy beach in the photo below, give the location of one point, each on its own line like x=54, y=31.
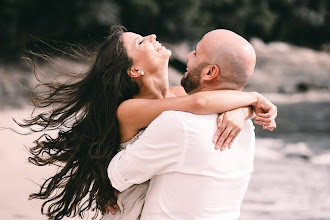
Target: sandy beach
x=281, y=187
x=18, y=177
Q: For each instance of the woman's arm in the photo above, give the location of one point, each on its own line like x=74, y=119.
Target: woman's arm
x=139, y=113
x=230, y=124
x=178, y=91
x=247, y=110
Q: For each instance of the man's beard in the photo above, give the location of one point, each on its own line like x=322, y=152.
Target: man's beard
x=192, y=80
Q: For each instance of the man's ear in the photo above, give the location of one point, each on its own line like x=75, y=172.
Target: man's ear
x=133, y=72
x=210, y=72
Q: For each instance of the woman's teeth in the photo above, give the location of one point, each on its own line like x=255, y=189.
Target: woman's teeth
x=158, y=47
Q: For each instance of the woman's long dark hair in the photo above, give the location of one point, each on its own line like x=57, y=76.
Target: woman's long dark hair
x=84, y=113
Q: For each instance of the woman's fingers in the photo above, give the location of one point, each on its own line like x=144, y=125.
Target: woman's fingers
x=117, y=207
x=222, y=138
x=266, y=125
x=110, y=209
x=265, y=115
x=232, y=140
x=261, y=120
x=225, y=138
x=221, y=128
x=272, y=126
x=229, y=140
x=231, y=129
x=220, y=120
x=270, y=116
x=229, y=125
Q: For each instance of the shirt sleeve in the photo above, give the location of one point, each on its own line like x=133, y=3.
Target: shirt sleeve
x=159, y=150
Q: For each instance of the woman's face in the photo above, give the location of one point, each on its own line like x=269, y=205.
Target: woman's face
x=146, y=52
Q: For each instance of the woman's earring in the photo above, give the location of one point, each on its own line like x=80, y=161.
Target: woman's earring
x=141, y=72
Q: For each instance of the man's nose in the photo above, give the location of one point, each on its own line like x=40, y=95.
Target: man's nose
x=188, y=55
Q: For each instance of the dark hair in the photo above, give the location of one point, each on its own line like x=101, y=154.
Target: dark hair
x=84, y=113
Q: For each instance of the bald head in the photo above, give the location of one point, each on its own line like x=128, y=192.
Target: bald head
x=234, y=56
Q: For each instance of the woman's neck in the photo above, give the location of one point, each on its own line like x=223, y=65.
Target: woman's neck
x=154, y=85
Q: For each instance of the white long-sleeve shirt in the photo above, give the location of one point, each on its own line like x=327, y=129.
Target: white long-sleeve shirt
x=189, y=179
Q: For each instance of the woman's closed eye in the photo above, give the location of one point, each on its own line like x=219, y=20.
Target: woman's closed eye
x=140, y=42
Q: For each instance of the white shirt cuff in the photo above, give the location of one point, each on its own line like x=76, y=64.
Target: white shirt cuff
x=117, y=181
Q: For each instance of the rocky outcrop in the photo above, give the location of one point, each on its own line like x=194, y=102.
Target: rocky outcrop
x=285, y=68
x=281, y=67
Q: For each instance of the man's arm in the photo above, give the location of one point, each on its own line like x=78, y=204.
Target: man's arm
x=156, y=152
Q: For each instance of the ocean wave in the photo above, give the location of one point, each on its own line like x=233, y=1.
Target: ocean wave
x=279, y=149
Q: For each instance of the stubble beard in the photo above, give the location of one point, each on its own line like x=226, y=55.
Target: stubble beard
x=192, y=81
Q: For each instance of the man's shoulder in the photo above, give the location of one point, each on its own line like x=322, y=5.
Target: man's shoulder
x=176, y=119
x=167, y=120
x=179, y=119
x=172, y=114
x=167, y=127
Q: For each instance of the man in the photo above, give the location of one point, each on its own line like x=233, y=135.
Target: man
x=189, y=179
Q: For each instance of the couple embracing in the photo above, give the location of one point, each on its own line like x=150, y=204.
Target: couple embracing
x=122, y=128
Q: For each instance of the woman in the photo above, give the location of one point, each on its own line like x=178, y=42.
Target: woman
x=93, y=118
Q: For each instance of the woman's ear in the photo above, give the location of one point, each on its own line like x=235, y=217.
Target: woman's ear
x=210, y=72
x=132, y=72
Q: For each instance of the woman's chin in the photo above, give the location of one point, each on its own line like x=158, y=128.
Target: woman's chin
x=169, y=53
x=165, y=52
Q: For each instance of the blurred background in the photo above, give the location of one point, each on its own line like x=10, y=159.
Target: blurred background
x=292, y=42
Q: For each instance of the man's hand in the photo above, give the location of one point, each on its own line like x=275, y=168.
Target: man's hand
x=230, y=125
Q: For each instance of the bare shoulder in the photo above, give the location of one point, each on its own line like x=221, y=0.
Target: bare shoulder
x=132, y=110
x=125, y=108
x=124, y=105
x=178, y=91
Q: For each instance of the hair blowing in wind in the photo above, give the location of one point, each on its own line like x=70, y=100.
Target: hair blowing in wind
x=84, y=114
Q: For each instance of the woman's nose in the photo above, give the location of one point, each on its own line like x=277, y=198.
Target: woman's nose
x=152, y=37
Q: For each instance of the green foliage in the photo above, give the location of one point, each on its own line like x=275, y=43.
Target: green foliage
x=301, y=22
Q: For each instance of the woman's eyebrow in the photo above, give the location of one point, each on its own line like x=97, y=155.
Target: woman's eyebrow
x=136, y=41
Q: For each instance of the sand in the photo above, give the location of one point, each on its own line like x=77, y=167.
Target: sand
x=18, y=177
x=281, y=188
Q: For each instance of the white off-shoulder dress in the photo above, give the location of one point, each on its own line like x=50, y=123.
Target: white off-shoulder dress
x=130, y=201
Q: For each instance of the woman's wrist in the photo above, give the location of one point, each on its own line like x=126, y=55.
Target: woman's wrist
x=256, y=98
x=243, y=112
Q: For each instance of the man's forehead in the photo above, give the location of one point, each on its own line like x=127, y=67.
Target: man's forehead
x=196, y=47
x=201, y=45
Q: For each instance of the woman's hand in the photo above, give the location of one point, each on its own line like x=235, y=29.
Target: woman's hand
x=266, y=112
x=230, y=124
x=266, y=122
x=112, y=209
